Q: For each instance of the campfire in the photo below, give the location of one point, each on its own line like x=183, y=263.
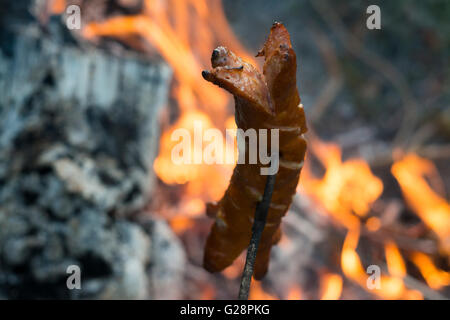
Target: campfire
x=345, y=236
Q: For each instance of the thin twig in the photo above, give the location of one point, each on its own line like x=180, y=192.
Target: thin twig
x=258, y=226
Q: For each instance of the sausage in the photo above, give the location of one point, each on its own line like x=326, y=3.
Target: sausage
x=262, y=101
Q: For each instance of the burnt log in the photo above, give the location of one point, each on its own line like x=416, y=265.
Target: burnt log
x=78, y=136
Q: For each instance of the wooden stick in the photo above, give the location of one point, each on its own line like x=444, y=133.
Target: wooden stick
x=257, y=229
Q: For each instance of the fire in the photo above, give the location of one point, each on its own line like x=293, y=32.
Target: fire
x=373, y=224
x=434, y=210
x=347, y=189
x=434, y=277
x=350, y=261
x=184, y=32
x=208, y=293
x=392, y=286
x=181, y=223
x=57, y=6
x=178, y=174
x=258, y=293
x=394, y=260
x=235, y=270
x=295, y=293
x=331, y=286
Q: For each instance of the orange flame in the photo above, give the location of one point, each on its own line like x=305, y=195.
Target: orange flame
x=373, y=224
x=350, y=261
x=184, y=32
x=331, y=286
x=347, y=188
x=181, y=223
x=258, y=293
x=57, y=6
x=434, y=277
x=394, y=260
x=391, y=287
x=295, y=293
x=208, y=293
x=434, y=210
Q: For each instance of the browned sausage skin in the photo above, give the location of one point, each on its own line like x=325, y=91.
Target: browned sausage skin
x=261, y=102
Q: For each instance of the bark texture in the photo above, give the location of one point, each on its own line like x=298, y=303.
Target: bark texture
x=78, y=136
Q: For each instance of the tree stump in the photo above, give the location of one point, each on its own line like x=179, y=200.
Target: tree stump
x=78, y=136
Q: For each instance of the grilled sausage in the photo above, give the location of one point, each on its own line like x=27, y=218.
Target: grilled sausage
x=268, y=101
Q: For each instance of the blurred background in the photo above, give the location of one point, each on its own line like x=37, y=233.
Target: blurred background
x=86, y=176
